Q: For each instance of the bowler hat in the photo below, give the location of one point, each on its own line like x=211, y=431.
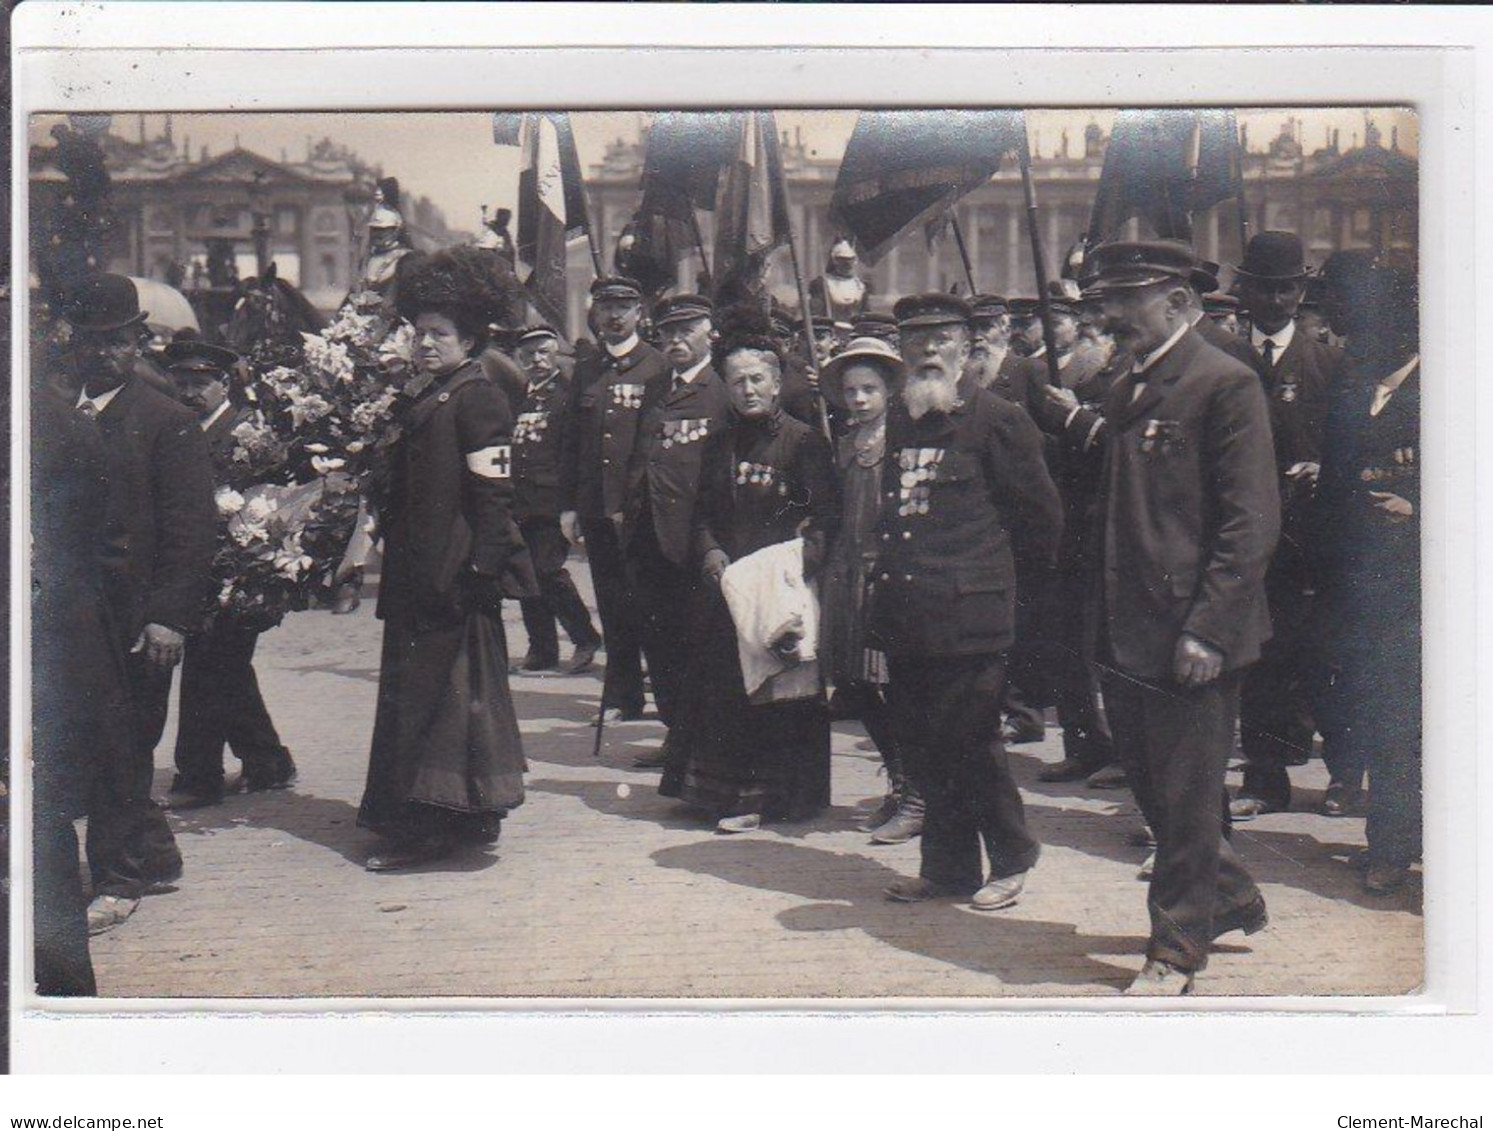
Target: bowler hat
x=932, y=309
x=616, y=286
x=193, y=356
x=872, y=351
x=1204, y=276
x=1124, y=265
x=681, y=308
x=104, y=302
x=1274, y=255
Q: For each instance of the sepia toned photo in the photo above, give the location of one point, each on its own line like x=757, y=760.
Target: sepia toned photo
x=697, y=556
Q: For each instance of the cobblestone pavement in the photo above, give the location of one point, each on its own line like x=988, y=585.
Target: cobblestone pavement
x=601, y=888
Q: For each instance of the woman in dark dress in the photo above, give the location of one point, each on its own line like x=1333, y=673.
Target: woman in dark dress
x=767, y=479
x=446, y=763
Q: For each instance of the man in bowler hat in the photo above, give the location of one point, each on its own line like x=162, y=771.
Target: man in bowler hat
x=157, y=555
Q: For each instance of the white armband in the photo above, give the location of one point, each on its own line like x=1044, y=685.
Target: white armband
x=495, y=462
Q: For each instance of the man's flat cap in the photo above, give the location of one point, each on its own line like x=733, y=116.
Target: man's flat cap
x=540, y=332
x=987, y=307
x=1124, y=265
x=682, y=308
x=199, y=357
x=933, y=309
x=617, y=286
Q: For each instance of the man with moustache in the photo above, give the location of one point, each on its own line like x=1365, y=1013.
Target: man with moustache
x=663, y=484
x=220, y=699
x=538, y=435
x=967, y=495
x=1276, y=711
x=609, y=392
x=160, y=527
x=1190, y=514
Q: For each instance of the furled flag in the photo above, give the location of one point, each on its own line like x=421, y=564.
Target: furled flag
x=751, y=213
x=685, y=152
x=551, y=203
x=903, y=168
x=1165, y=166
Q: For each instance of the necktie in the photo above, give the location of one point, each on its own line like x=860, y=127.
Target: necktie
x=678, y=383
x=1269, y=352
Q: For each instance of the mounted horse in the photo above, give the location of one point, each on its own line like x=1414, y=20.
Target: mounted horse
x=268, y=317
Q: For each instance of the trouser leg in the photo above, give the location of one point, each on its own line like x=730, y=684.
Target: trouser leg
x=622, y=685
x=665, y=594
x=63, y=966
x=1387, y=697
x=1175, y=745
x=538, y=611
x=548, y=548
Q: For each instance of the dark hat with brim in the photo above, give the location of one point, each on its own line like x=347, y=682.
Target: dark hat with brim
x=199, y=357
x=822, y=323
x=873, y=324
x=861, y=351
x=1127, y=265
x=541, y=332
x=1204, y=277
x=1220, y=304
x=1274, y=255
x=616, y=287
x=682, y=308
x=987, y=308
x=104, y=303
x=916, y=312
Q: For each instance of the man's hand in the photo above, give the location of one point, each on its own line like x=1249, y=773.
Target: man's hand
x=1061, y=398
x=1196, y=663
x=162, y=646
x=1304, y=470
x=714, y=565
x=570, y=526
x=1395, y=508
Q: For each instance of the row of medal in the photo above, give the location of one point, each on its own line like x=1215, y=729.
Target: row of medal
x=758, y=475
x=685, y=431
x=919, y=470
x=627, y=395
x=530, y=426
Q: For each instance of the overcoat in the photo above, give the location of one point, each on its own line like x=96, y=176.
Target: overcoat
x=607, y=400
x=1190, y=510
x=966, y=494
x=538, y=438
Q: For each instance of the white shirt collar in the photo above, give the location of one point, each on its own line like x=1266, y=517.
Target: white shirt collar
x=1281, y=338
x=1162, y=350
x=99, y=402
x=216, y=416
x=1397, y=378
x=690, y=374
x=623, y=348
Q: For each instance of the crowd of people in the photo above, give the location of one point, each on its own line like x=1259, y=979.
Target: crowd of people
x=1183, y=520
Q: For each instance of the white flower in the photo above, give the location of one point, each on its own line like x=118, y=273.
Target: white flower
x=323, y=466
x=318, y=449
x=259, y=508
x=398, y=345
x=229, y=501
x=355, y=447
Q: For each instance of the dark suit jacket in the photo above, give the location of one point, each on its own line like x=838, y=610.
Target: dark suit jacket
x=948, y=544
x=162, y=524
x=1231, y=344
x=538, y=437
x=798, y=398
x=445, y=521
x=1021, y=381
x=607, y=401
x=1191, y=510
x=664, y=478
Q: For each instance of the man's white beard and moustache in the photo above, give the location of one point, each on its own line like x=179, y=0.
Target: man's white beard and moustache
x=925, y=394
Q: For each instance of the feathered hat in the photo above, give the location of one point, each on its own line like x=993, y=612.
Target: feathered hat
x=478, y=290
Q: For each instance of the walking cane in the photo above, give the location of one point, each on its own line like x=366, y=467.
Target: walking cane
x=601, y=718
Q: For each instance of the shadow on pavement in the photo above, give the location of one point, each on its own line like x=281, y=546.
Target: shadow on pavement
x=848, y=889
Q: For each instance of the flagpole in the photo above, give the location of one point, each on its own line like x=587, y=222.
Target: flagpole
x=1239, y=190
x=969, y=271
x=694, y=223
x=771, y=123
x=1039, y=260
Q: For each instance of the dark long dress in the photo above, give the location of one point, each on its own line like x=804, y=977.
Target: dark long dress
x=765, y=482
x=446, y=757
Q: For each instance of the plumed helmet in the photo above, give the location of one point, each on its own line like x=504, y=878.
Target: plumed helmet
x=386, y=212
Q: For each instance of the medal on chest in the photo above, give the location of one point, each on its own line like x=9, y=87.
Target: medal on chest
x=919, y=469
x=1288, y=392
x=627, y=395
x=681, y=432
x=530, y=426
x=1160, y=436
x=749, y=474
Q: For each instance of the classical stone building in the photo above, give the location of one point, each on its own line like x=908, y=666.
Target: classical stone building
x=1361, y=197
x=190, y=218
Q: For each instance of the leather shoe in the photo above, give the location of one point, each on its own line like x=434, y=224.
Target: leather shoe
x=1110, y=777
x=108, y=911
x=582, y=658
x=906, y=823
x=277, y=772
x=1384, y=879
x=1143, y=837
x=1069, y=769
x=622, y=715
x=746, y=823
x=1015, y=735
x=880, y=815
x=533, y=663
x=180, y=800
x=1160, y=979
x=410, y=854
x=1252, y=918
x=1248, y=808
x=1342, y=800
x=654, y=759
x=1147, y=869
x=919, y=890
x=999, y=893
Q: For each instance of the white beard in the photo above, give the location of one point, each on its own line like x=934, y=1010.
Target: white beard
x=923, y=395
